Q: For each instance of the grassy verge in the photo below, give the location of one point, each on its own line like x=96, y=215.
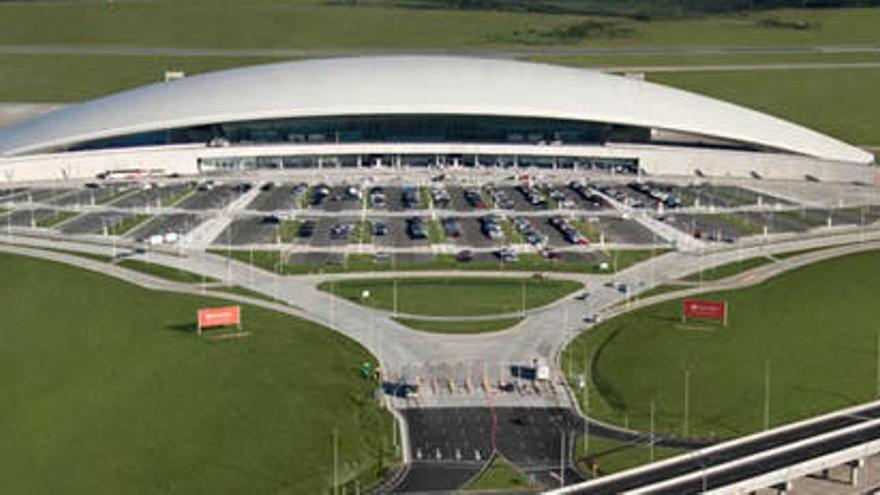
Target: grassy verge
x=55, y=218
x=811, y=328
x=288, y=231
x=453, y=296
x=436, y=234
x=500, y=475
x=589, y=230
x=136, y=384
x=460, y=326
x=512, y=235
x=162, y=271
x=363, y=232
x=126, y=224
x=830, y=101
x=604, y=457
x=728, y=270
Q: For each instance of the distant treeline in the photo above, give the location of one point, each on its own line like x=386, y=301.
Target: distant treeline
x=634, y=8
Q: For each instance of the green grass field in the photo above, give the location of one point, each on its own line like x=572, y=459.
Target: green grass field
x=831, y=101
x=453, y=296
x=459, y=326
x=314, y=24
x=814, y=328
x=500, y=475
x=648, y=60
x=106, y=390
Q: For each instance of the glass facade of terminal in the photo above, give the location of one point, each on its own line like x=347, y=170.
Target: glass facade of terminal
x=387, y=129
x=245, y=162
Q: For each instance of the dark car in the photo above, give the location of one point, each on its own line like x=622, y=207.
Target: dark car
x=307, y=229
x=380, y=229
x=464, y=256
x=271, y=220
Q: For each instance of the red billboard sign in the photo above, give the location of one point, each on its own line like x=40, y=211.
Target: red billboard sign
x=219, y=317
x=707, y=310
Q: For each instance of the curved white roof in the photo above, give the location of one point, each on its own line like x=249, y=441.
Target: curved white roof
x=414, y=85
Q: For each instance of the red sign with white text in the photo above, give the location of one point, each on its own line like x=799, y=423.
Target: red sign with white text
x=710, y=310
x=219, y=317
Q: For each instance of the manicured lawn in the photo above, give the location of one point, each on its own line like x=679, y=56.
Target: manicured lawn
x=649, y=60
x=453, y=296
x=830, y=101
x=107, y=390
x=460, y=326
x=71, y=78
x=500, y=475
x=814, y=328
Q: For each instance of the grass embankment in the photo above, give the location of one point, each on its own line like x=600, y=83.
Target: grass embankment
x=814, y=329
x=55, y=218
x=500, y=475
x=453, y=296
x=830, y=101
x=719, y=59
x=110, y=392
x=459, y=326
x=604, y=457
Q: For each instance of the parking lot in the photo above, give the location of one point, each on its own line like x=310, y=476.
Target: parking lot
x=620, y=230
x=26, y=218
x=89, y=196
x=215, y=197
x=153, y=197
x=252, y=229
x=279, y=197
x=92, y=223
x=178, y=223
x=449, y=445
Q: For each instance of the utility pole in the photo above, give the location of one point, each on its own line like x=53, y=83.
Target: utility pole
x=652, y=429
x=395, y=297
x=562, y=459
x=687, y=379
x=766, y=394
x=335, y=461
x=878, y=364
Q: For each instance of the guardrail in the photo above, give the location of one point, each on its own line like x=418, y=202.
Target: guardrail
x=709, y=451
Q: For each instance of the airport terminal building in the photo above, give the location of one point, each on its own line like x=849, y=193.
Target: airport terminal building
x=417, y=111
